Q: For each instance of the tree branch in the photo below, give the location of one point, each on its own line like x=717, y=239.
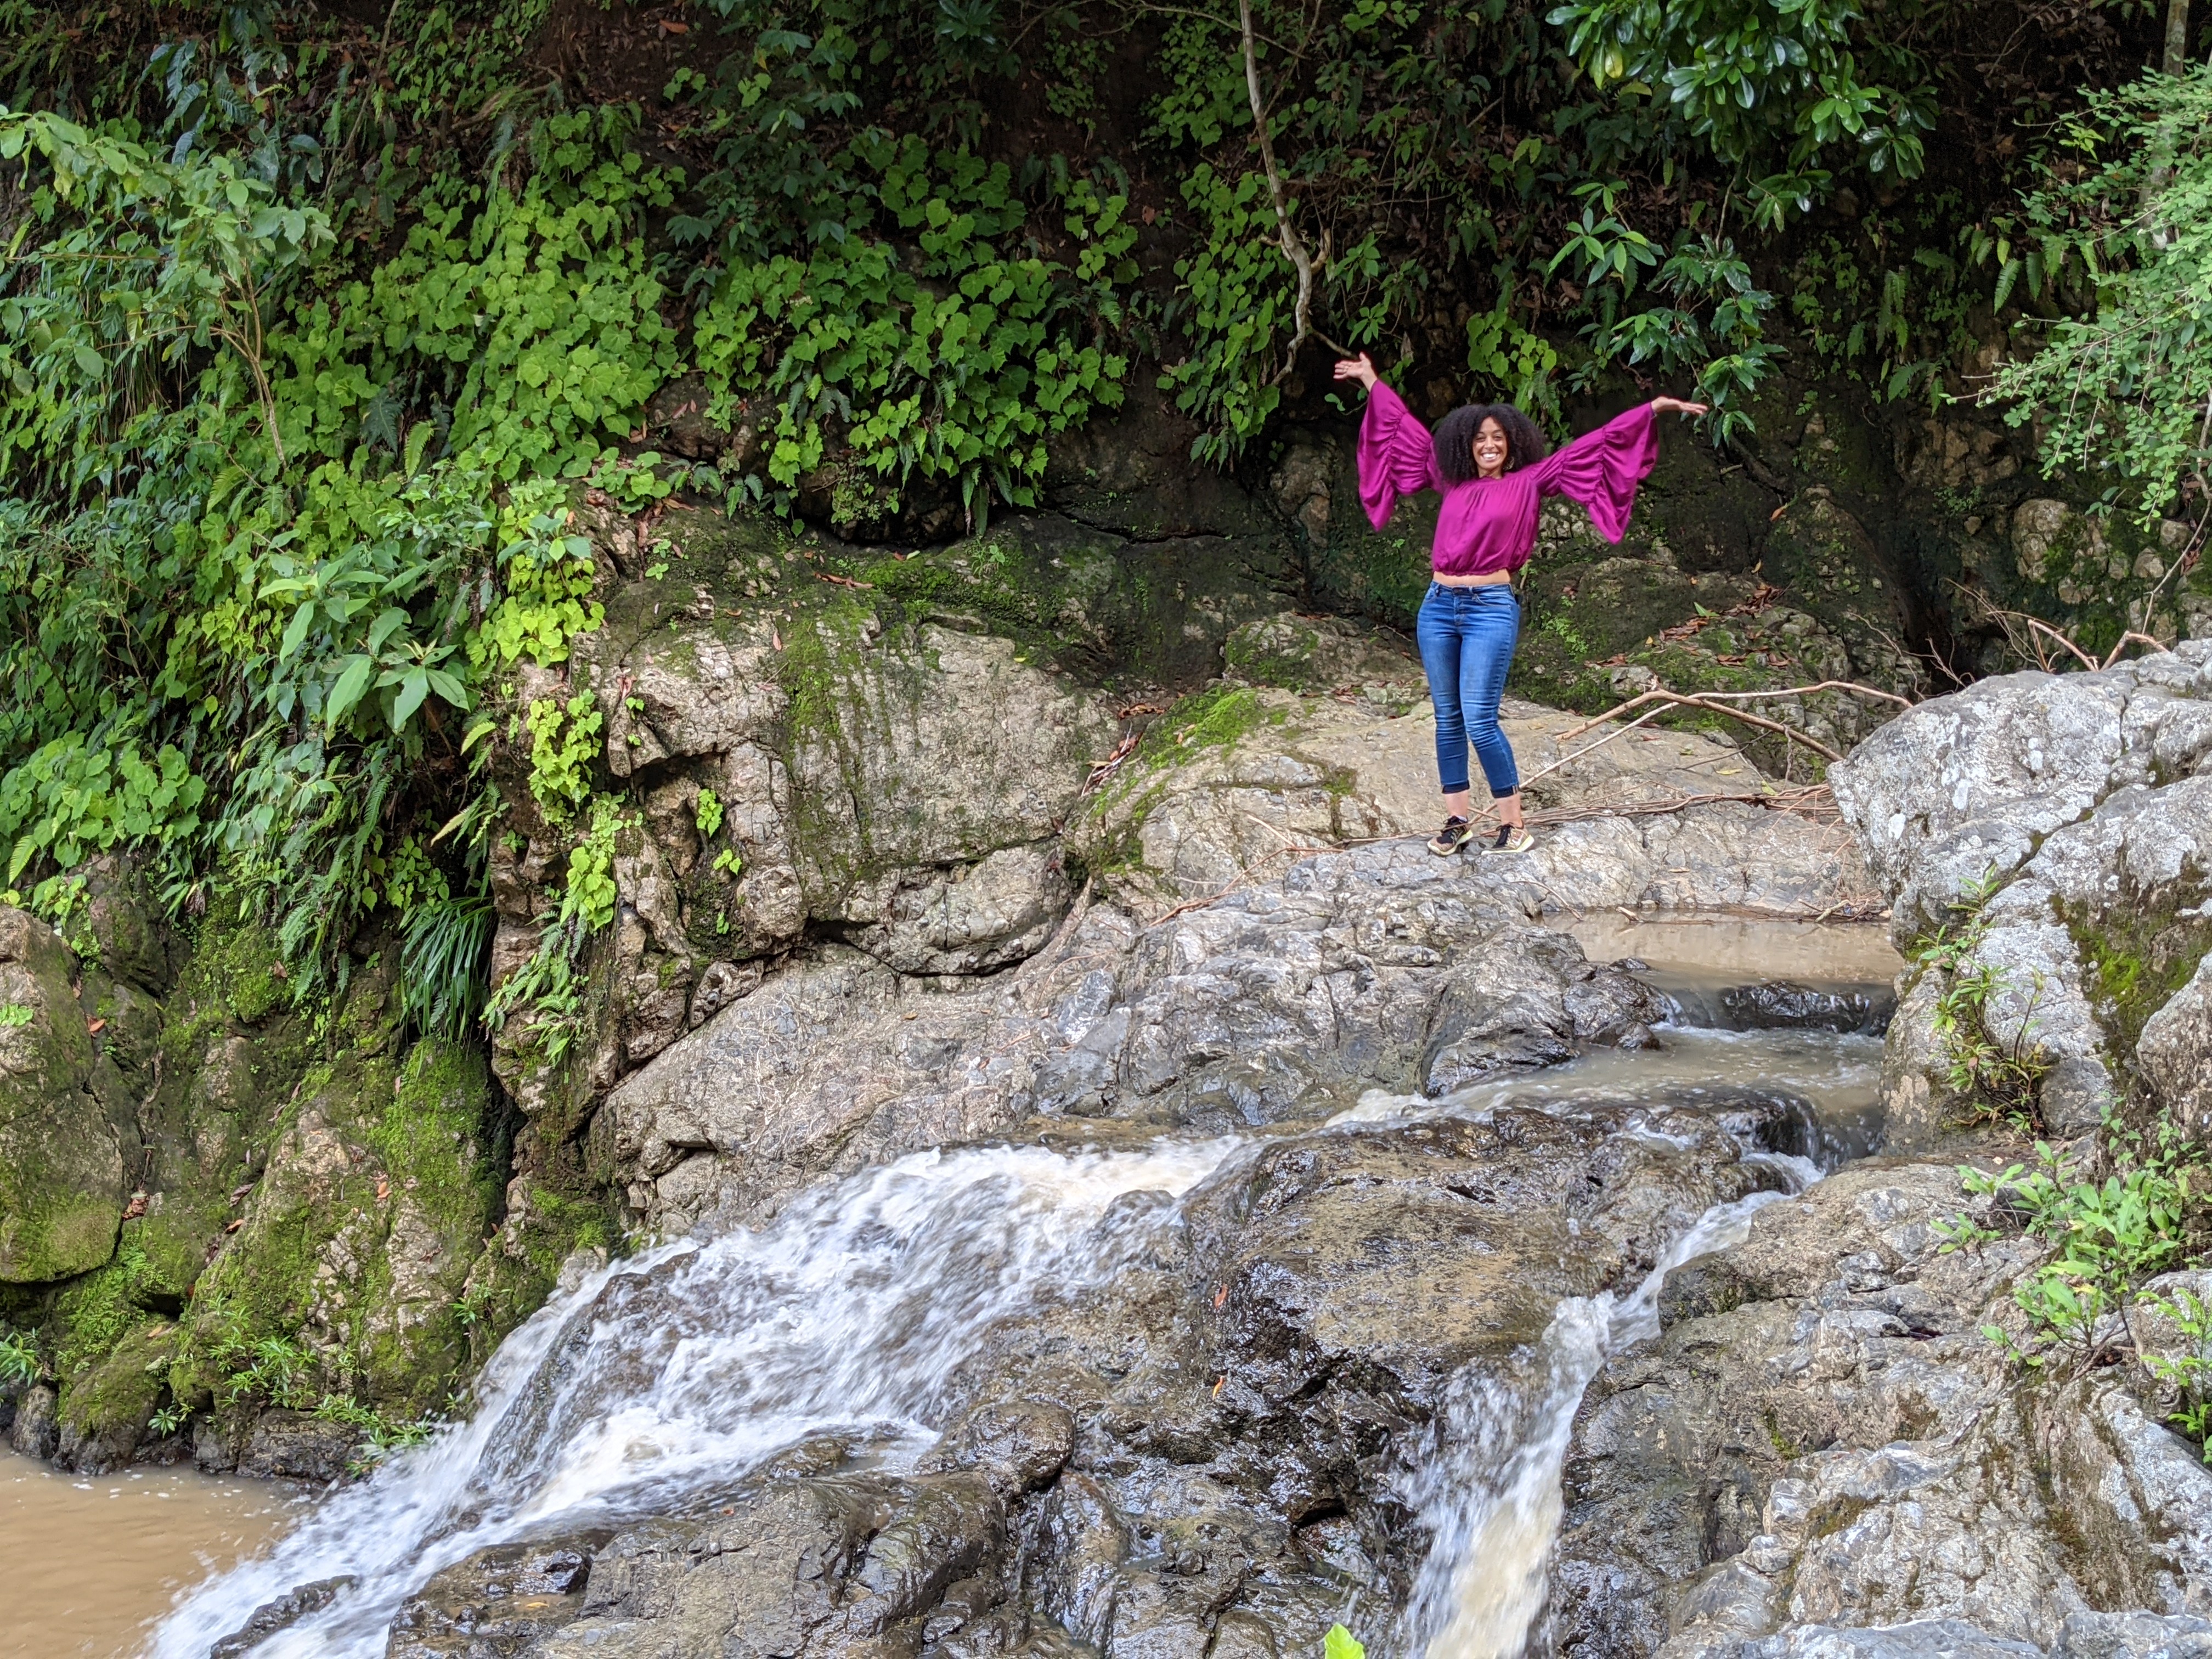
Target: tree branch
x=1293, y=245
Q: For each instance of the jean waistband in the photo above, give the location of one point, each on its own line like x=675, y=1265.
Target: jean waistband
x=1504, y=590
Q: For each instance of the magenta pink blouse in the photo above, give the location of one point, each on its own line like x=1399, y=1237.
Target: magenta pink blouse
x=1490, y=524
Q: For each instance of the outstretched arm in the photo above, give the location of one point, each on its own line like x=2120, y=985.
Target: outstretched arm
x=1396, y=456
x=1602, y=468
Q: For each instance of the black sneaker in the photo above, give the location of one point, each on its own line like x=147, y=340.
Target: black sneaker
x=1511, y=838
x=1456, y=833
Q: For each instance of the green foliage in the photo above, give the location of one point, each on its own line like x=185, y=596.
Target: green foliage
x=563, y=745
x=548, y=992
x=707, y=813
x=442, y=965
x=2122, y=392
x=69, y=800
x=1994, y=1082
x=2108, y=1237
x=100, y=1309
x=147, y=260
x=2189, y=1375
x=275, y=1369
x=381, y=1433
x=1764, y=85
x=944, y=350
x=548, y=574
x=1241, y=294
x=1711, y=333
x=311, y=326
x=19, y=1358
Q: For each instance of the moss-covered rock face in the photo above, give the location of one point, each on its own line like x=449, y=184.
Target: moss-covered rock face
x=231, y=1050
x=107, y=1407
x=62, y=1189
x=357, y=1241
x=281, y=1201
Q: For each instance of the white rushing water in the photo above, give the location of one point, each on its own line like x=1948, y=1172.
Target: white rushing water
x=1491, y=1496
x=669, y=1376
x=670, y=1373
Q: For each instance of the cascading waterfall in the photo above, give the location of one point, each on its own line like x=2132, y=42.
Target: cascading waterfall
x=1490, y=1496
x=673, y=1373
x=669, y=1376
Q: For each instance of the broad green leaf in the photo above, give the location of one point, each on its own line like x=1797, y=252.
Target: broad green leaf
x=351, y=684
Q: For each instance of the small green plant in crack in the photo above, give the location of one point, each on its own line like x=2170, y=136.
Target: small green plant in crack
x=707, y=813
x=1994, y=1082
x=2108, y=1237
x=563, y=747
x=2189, y=1375
x=19, y=1358
x=274, y=1369
x=547, y=990
x=381, y=1435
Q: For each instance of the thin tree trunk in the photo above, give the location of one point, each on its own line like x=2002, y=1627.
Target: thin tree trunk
x=2177, y=36
x=1294, y=245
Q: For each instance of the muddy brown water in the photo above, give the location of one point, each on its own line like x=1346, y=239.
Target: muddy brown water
x=1731, y=950
x=88, y=1564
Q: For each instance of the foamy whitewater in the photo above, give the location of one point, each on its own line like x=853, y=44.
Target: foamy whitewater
x=669, y=1376
x=682, y=1369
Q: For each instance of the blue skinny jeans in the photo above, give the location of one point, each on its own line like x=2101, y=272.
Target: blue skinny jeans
x=1467, y=636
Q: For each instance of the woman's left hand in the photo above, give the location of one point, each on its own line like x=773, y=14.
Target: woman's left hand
x=1660, y=405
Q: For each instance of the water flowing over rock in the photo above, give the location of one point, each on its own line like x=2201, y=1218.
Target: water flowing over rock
x=1148, y=1400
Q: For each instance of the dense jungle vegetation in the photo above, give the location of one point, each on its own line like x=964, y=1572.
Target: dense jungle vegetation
x=314, y=317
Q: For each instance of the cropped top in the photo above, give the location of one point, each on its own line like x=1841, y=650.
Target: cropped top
x=1490, y=524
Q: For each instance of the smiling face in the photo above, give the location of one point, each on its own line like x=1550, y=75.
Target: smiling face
x=1491, y=450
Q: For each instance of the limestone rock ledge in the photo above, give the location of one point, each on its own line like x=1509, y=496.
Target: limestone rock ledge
x=1822, y=1452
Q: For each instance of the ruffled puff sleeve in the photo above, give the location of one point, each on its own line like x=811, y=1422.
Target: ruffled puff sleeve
x=1396, y=455
x=1600, y=469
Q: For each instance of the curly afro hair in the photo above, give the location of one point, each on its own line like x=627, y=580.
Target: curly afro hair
x=1454, y=439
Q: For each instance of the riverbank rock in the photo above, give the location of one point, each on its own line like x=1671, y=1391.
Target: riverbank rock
x=1824, y=1451
x=62, y=1186
x=1234, y=786
x=2061, y=822
x=1383, y=967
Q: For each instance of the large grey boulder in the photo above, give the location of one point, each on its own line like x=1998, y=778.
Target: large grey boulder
x=1822, y=1439
x=1824, y=1452
x=2069, y=815
x=1383, y=967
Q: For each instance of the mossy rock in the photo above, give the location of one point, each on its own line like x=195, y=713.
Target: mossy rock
x=105, y=1410
x=62, y=1169
x=1092, y=603
x=356, y=1242
x=224, y=1082
x=555, y=1217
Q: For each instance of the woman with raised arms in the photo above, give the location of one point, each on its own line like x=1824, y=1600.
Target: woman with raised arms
x=1491, y=466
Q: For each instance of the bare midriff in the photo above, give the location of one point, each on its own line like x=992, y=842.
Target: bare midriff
x=1479, y=579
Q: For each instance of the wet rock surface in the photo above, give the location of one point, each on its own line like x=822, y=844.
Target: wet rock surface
x=1823, y=1452
x=1383, y=967
x=283, y=1613
x=1191, y=1456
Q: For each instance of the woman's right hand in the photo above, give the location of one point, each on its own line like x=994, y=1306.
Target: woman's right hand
x=1358, y=369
